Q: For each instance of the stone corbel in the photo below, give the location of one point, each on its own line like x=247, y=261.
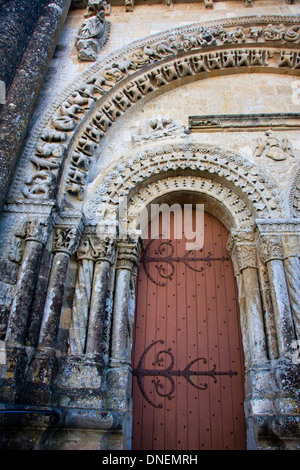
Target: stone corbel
x=94, y=32
x=129, y=5
x=209, y=3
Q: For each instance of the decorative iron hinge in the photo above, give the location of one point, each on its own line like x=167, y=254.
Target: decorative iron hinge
x=163, y=257
x=169, y=373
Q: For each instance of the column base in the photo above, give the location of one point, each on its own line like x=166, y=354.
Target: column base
x=80, y=382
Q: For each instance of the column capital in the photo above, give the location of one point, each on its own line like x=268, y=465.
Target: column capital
x=34, y=230
x=65, y=239
x=96, y=249
x=270, y=247
x=242, y=246
x=129, y=253
x=291, y=244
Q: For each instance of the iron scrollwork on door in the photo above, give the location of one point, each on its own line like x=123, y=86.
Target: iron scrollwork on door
x=164, y=259
x=169, y=373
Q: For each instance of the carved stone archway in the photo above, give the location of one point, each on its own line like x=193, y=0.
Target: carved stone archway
x=70, y=133
x=59, y=214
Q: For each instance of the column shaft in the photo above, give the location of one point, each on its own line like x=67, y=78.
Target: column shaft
x=97, y=308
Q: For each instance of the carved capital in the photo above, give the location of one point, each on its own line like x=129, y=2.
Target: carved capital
x=270, y=248
x=291, y=244
x=246, y=256
x=243, y=249
x=34, y=230
x=241, y=237
x=129, y=252
x=65, y=239
x=95, y=249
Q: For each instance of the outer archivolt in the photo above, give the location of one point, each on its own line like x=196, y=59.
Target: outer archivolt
x=105, y=94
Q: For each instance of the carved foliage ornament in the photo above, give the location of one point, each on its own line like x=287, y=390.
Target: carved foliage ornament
x=108, y=77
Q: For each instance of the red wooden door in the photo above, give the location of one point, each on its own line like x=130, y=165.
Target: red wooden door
x=187, y=360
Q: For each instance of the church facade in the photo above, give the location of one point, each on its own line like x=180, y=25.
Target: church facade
x=111, y=339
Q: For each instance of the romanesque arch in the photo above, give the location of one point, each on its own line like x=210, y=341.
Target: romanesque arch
x=80, y=287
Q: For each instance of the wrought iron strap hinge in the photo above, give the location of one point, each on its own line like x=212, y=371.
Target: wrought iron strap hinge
x=164, y=257
x=169, y=372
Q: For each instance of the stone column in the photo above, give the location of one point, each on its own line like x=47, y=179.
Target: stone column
x=20, y=310
x=105, y=257
x=118, y=377
x=243, y=248
x=270, y=326
x=63, y=246
x=291, y=252
x=82, y=296
x=271, y=253
x=127, y=263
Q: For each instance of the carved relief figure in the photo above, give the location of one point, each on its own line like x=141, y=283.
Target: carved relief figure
x=157, y=127
x=272, y=147
x=92, y=36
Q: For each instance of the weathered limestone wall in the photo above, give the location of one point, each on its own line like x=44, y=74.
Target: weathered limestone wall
x=142, y=22
x=57, y=275
x=241, y=94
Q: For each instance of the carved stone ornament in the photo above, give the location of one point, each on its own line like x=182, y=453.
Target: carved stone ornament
x=258, y=188
x=227, y=199
x=32, y=230
x=93, y=33
x=129, y=252
x=270, y=248
x=274, y=148
x=37, y=179
x=157, y=128
x=95, y=6
x=242, y=246
x=95, y=249
x=65, y=239
x=295, y=195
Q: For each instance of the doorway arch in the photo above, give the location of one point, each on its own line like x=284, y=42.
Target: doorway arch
x=188, y=364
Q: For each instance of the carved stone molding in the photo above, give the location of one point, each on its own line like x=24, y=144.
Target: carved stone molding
x=236, y=172
x=294, y=199
x=129, y=252
x=228, y=206
x=270, y=248
x=254, y=122
x=95, y=249
x=132, y=74
x=65, y=239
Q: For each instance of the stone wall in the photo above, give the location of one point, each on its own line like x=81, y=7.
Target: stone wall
x=170, y=104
